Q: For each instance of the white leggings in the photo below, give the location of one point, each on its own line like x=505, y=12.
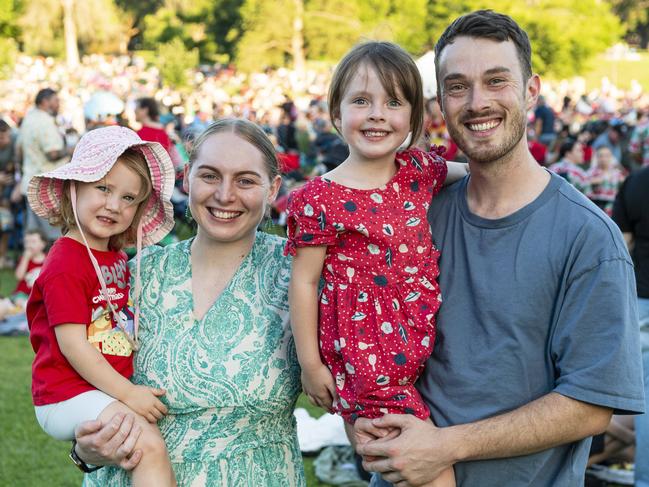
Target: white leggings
x=59, y=419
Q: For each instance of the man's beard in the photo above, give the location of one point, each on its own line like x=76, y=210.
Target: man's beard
x=484, y=154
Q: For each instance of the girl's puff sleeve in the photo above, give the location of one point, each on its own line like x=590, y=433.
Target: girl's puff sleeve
x=308, y=224
x=429, y=166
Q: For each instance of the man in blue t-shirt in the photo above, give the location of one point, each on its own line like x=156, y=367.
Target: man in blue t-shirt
x=537, y=338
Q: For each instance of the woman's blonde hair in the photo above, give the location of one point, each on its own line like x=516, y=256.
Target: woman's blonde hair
x=249, y=132
x=134, y=160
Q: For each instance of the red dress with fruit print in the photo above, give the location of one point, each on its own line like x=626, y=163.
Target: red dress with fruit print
x=377, y=307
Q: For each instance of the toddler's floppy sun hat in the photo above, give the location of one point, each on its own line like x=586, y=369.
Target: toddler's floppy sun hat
x=94, y=156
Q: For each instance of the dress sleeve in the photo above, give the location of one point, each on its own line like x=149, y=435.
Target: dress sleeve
x=308, y=224
x=430, y=165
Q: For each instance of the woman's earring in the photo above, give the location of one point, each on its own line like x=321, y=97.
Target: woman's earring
x=188, y=214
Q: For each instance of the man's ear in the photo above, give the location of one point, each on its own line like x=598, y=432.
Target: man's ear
x=532, y=90
x=439, y=102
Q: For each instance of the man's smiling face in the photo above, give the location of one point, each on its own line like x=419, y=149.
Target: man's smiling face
x=484, y=97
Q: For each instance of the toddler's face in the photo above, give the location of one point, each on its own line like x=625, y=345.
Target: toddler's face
x=107, y=207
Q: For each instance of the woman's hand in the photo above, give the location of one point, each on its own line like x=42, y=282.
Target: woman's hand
x=112, y=443
x=144, y=401
x=319, y=386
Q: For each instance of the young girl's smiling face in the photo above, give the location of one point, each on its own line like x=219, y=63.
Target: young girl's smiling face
x=373, y=123
x=107, y=207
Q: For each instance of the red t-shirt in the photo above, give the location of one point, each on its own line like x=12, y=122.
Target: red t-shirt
x=68, y=291
x=25, y=285
x=153, y=134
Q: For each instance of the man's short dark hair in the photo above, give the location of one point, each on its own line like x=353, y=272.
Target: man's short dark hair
x=44, y=94
x=487, y=24
x=4, y=126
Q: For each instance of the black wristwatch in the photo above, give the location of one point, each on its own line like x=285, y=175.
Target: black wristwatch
x=81, y=465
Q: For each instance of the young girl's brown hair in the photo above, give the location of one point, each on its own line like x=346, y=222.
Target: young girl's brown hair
x=397, y=72
x=132, y=159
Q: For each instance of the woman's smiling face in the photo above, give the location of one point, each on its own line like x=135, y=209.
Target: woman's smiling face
x=229, y=188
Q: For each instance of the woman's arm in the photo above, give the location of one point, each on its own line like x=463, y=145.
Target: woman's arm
x=94, y=368
x=317, y=381
x=456, y=171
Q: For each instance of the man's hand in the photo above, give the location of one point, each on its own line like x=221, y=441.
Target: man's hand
x=364, y=430
x=109, y=444
x=414, y=455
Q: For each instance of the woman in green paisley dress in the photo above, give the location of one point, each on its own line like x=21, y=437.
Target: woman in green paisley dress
x=214, y=329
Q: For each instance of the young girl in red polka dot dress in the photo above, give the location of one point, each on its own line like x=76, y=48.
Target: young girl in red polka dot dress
x=362, y=227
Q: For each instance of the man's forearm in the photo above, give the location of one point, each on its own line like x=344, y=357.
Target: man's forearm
x=547, y=422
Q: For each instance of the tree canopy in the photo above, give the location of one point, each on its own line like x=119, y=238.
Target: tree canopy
x=256, y=34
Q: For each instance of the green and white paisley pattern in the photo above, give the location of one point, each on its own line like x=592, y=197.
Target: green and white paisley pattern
x=232, y=378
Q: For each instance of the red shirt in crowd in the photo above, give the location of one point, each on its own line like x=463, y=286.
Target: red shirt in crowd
x=68, y=291
x=154, y=134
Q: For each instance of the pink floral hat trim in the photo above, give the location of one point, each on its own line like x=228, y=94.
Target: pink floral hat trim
x=94, y=156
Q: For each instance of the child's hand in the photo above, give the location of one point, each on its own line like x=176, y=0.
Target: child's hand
x=364, y=430
x=144, y=401
x=319, y=386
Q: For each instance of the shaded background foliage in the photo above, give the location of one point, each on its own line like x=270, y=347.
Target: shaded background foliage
x=255, y=34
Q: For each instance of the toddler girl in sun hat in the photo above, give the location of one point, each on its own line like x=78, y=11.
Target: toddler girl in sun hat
x=114, y=192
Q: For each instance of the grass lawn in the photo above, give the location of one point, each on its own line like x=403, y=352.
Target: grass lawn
x=28, y=457
x=619, y=72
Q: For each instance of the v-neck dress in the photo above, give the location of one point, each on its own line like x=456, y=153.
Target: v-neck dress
x=232, y=378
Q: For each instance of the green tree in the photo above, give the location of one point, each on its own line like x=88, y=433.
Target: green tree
x=9, y=15
x=266, y=40
x=211, y=26
x=174, y=61
x=225, y=27
x=635, y=17
x=331, y=27
x=134, y=13
x=99, y=26
x=400, y=21
x=9, y=30
x=565, y=34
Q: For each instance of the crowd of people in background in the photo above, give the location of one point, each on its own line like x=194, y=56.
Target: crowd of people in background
x=512, y=229
x=593, y=139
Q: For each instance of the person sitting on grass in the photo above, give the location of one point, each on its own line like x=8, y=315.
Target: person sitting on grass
x=29, y=266
x=28, y=269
